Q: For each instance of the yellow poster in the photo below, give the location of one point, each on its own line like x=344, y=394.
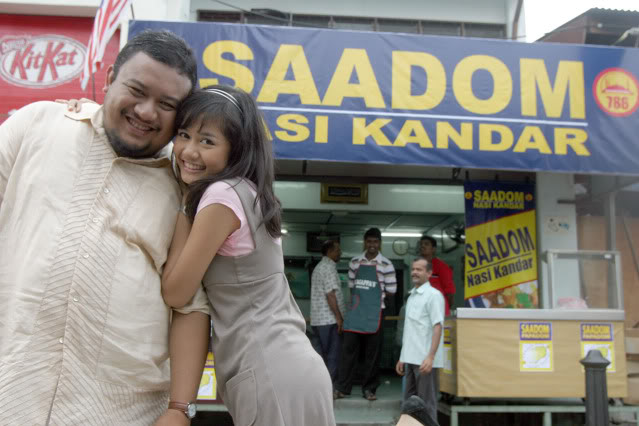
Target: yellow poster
x=448, y=351
x=501, y=245
x=208, y=383
x=599, y=336
x=535, y=346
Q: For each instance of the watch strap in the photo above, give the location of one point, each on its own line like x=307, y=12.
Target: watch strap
x=180, y=406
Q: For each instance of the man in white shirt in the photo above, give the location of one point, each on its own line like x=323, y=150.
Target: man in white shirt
x=87, y=211
x=422, y=354
x=327, y=305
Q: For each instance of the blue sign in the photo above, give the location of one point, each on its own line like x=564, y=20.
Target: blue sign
x=442, y=101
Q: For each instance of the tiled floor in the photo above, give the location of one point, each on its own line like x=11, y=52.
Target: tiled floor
x=355, y=410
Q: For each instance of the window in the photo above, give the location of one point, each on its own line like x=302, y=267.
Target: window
x=484, y=30
x=398, y=26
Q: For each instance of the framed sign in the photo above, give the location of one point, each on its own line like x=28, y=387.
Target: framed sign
x=356, y=193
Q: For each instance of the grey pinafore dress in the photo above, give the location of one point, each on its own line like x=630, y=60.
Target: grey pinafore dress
x=268, y=372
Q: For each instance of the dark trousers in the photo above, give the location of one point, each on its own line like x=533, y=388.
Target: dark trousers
x=424, y=386
x=329, y=343
x=351, y=343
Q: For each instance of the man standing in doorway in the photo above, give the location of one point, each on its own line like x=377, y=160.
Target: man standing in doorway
x=88, y=206
x=442, y=276
x=327, y=306
x=422, y=354
x=370, y=277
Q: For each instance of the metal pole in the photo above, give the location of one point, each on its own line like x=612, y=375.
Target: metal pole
x=596, y=388
x=454, y=419
x=610, y=213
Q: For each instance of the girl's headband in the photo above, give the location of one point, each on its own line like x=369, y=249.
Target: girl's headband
x=228, y=96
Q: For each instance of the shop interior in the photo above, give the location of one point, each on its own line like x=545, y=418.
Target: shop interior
x=404, y=202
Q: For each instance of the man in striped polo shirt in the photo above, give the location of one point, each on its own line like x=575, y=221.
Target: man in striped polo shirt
x=370, y=277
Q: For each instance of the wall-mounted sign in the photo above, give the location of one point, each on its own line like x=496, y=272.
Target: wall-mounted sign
x=599, y=336
x=535, y=346
x=501, y=245
x=41, y=58
x=344, y=193
x=363, y=97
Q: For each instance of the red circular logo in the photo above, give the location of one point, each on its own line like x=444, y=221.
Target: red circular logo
x=616, y=92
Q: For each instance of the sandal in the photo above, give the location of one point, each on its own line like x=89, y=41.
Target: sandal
x=369, y=395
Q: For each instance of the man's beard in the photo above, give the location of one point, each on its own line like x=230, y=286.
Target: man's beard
x=122, y=149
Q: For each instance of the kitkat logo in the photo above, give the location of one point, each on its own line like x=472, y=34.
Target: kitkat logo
x=40, y=61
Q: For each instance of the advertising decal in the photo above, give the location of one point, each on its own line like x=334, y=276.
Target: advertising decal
x=500, y=268
x=535, y=346
x=599, y=336
x=41, y=58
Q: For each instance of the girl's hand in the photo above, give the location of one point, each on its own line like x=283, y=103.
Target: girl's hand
x=75, y=105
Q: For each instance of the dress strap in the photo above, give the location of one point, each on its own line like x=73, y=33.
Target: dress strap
x=253, y=213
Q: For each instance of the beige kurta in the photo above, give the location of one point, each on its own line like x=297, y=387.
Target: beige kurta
x=83, y=237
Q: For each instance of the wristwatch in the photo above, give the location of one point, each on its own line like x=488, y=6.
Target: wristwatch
x=189, y=409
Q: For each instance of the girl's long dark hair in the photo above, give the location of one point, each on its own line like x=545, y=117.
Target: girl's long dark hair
x=251, y=153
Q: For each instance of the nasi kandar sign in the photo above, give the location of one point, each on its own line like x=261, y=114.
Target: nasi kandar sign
x=374, y=97
x=500, y=269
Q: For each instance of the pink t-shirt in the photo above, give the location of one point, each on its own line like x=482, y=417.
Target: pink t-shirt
x=240, y=242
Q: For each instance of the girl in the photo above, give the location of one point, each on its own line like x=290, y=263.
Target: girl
x=228, y=240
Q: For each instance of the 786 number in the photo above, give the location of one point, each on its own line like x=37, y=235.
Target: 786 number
x=617, y=102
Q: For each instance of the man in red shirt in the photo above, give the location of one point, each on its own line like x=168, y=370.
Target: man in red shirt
x=442, y=277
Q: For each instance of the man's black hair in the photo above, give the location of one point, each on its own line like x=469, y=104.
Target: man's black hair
x=162, y=46
x=328, y=246
x=433, y=241
x=373, y=232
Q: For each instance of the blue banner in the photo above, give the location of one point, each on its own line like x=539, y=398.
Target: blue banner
x=443, y=101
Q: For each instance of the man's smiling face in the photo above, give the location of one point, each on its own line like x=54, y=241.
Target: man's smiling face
x=140, y=105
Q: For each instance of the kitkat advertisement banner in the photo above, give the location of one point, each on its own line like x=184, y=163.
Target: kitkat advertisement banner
x=41, y=58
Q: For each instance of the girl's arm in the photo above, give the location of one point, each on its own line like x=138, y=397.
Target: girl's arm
x=192, y=250
x=188, y=347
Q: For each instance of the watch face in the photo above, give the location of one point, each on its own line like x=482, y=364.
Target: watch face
x=191, y=410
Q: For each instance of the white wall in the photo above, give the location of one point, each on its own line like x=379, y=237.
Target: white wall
x=552, y=187
x=170, y=10
x=511, y=9
x=161, y=10
x=478, y=11
x=51, y=7
x=381, y=197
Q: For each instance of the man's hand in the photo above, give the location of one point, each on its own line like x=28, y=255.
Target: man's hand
x=173, y=418
x=427, y=365
x=400, y=368
x=331, y=298
x=75, y=105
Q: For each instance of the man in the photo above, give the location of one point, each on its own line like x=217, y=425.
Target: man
x=87, y=212
x=442, y=277
x=370, y=277
x=422, y=354
x=327, y=305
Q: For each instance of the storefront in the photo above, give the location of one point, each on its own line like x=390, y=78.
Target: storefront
x=430, y=127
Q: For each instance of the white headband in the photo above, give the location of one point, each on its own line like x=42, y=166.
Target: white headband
x=227, y=96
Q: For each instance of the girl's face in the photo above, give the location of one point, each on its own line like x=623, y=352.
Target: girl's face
x=201, y=150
